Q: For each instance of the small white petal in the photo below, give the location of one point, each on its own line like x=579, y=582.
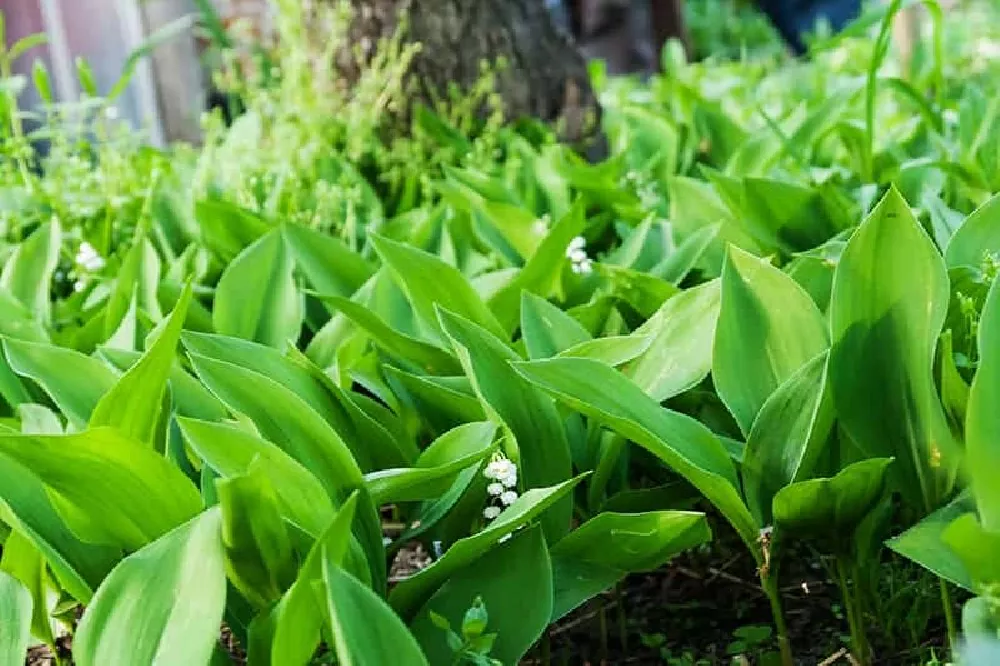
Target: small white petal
x=585, y=267
x=577, y=255
x=495, y=489
x=510, y=480
x=576, y=269
x=78, y=285
x=508, y=497
x=491, y=512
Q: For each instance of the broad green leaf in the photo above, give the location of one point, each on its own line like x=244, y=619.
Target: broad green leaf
x=429, y=282
x=133, y=404
x=25, y=563
x=162, y=604
x=366, y=631
x=680, y=352
x=924, y=543
x=226, y=228
x=136, y=281
x=15, y=620
x=427, y=357
x=684, y=444
x=976, y=547
x=602, y=551
x=285, y=419
x=547, y=330
x=38, y=420
x=688, y=254
x=889, y=302
x=786, y=215
x=258, y=551
x=514, y=581
x=18, y=322
x=978, y=237
x=412, y=593
x=542, y=451
x=443, y=402
x=768, y=328
x=327, y=264
x=644, y=292
x=694, y=206
x=954, y=390
x=231, y=451
x=541, y=274
x=27, y=273
x=75, y=382
x=290, y=632
x=982, y=425
x=108, y=488
x=614, y=350
x=829, y=510
x=256, y=298
x=787, y=437
x=437, y=467
x=25, y=506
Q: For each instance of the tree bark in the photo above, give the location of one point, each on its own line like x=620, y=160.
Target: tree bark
x=543, y=74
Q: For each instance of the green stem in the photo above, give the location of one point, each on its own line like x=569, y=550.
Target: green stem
x=949, y=614
x=602, y=618
x=769, y=583
x=859, y=641
x=622, y=620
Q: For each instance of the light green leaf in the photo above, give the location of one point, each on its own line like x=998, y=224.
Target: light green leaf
x=137, y=280
x=226, y=228
x=976, y=546
x=978, y=236
x=75, y=382
x=514, y=582
x=327, y=264
x=256, y=298
x=428, y=282
x=614, y=350
x=547, y=330
x=889, y=302
x=366, y=632
x=924, y=543
x=768, y=328
x=133, y=405
x=606, y=548
x=982, y=425
x=412, y=593
x=162, y=604
x=684, y=444
x=27, y=274
x=15, y=620
x=542, y=451
x=680, y=351
x=108, y=488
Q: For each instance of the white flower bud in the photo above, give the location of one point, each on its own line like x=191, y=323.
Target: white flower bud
x=508, y=497
x=491, y=512
x=495, y=488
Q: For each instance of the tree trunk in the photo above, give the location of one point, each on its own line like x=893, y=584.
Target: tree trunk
x=543, y=75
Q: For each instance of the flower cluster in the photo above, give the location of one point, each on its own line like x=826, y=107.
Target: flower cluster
x=576, y=253
x=502, y=474
x=88, y=261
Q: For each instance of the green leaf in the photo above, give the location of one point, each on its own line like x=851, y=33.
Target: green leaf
x=644, y=292
x=162, y=604
x=788, y=435
x=437, y=467
x=541, y=274
x=427, y=357
x=444, y=402
x=889, y=302
x=681, y=442
x=27, y=274
x=285, y=419
x=290, y=632
x=546, y=329
x=256, y=298
x=428, y=281
x=18, y=322
x=75, y=382
x=982, y=425
x=327, y=264
x=412, y=593
x=768, y=328
x=25, y=563
x=366, y=632
x=108, y=488
x=606, y=548
x=924, y=543
x=226, y=228
x=258, y=550
x=230, y=452
x=38, y=420
x=680, y=351
x=829, y=510
x=542, y=451
x=514, y=582
x=133, y=405
x=976, y=546
x=15, y=620
x=26, y=507
x=786, y=215
x=137, y=281
x=613, y=350
x=688, y=254
x=978, y=236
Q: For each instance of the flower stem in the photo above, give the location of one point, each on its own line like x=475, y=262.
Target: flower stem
x=949, y=613
x=769, y=583
x=859, y=642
